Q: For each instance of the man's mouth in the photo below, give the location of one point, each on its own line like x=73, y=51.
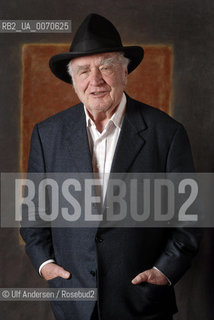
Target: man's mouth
x=98, y=93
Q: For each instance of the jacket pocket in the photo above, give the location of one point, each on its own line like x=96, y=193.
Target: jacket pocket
x=154, y=292
x=55, y=282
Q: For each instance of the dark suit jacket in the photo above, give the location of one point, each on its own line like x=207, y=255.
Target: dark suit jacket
x=150, y=141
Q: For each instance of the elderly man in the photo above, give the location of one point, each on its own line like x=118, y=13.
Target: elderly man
x=134, y=269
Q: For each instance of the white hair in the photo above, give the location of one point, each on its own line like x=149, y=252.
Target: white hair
x=121, y=56
x=124, y=60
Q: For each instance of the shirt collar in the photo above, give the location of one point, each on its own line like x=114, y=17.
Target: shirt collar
x=116, y=118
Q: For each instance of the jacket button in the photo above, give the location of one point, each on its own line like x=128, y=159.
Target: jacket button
x=98, y=239
x=93, y=273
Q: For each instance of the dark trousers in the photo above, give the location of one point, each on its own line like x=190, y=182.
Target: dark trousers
x=95, y=315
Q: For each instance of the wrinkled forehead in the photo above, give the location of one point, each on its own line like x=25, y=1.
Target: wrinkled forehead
x=96, y=59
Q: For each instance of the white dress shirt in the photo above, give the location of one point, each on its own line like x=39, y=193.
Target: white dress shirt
x=103, y=144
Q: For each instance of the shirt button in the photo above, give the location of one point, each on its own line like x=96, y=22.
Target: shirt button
x=93, y=273
x=98, y=239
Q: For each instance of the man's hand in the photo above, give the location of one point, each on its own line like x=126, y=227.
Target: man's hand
x=153, y=276
x=52, y=270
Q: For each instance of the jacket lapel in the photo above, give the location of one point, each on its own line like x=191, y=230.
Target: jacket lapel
x=77, y=143
x=131, y=139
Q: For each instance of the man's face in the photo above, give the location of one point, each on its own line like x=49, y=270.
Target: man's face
x=99, y=81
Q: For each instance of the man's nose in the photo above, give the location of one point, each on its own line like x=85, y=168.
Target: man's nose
x=96, y=77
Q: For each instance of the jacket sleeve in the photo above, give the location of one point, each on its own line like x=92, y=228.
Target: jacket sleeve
x=38, y=239
x=183, y=243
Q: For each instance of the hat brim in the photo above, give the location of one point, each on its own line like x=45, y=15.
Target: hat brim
x=58, y=63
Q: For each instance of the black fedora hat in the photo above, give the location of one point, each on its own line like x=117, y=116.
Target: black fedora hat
x=96, y=34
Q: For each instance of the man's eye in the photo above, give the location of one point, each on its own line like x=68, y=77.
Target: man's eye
x=107, y=69
x=104, y=68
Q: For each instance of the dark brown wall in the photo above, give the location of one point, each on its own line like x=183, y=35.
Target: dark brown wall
x=188, y=26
